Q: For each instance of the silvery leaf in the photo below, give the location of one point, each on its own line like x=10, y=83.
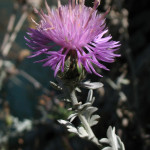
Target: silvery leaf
x=72, y=129
x=55, y=86
x=78, y=104
x=66, y=100
x=93, y=99
x=64, y=122
x=78, y=89
x=89, y=111
x=104, y=140
x=72, y=117
x=107, y=148
x=91, y=85
x=84, y=106
x=70, y=126
x=113, y=140
x=125, y=81
x=90, y=96
x=93, y=120
x=120, y=143
x=82, y=132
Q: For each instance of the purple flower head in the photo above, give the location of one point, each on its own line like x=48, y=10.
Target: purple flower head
x=79, y=31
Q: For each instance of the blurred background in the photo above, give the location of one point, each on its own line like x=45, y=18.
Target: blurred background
x=29, y=107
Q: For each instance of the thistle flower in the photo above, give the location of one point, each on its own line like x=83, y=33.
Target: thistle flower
x=79, y=31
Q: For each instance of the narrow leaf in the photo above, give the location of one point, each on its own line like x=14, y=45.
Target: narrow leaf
x=90, y=95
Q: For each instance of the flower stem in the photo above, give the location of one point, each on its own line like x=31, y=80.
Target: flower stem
x=82, y=118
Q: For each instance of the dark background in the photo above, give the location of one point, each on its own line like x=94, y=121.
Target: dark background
x=29, y=107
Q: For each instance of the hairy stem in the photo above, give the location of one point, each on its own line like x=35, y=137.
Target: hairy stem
x=83, y=120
